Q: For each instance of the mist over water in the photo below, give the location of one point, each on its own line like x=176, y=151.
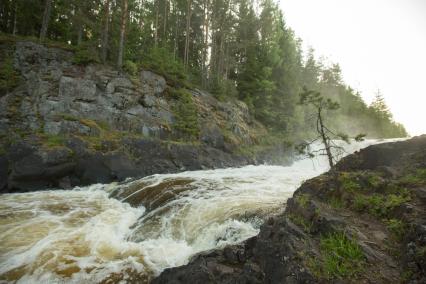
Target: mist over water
x=133, y=230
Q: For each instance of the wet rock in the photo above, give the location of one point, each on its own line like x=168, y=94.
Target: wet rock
x=4, y=172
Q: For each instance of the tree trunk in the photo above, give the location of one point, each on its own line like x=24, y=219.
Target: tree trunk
x=324, y=139
x=166, y=5
x=105, y=33
x=79, y=25
x=156, y=23
x=15, y=15
x=188, y=26
x=46, y=18
x=175, y=47
x=124, y=7
x=205, y=48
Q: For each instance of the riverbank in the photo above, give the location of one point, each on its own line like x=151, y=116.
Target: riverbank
x=64, y=123
x=363, y=223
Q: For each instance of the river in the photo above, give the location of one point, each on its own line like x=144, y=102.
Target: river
x=131, y=231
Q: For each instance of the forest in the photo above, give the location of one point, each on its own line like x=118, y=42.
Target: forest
x=235, y=49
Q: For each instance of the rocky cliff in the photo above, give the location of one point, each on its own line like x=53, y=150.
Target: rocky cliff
x=365, y=222
x=63, y=124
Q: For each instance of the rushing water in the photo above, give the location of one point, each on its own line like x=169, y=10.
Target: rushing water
x=132, y=230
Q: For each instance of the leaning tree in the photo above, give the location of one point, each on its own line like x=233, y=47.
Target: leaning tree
x=326, y=136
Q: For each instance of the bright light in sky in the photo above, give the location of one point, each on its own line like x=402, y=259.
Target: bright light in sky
x=379, y=44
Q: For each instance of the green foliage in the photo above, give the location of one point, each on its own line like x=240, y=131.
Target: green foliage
x=161, y=61
x=130, y=67
x=250, y=54
x=86, y=54
x=342, y=257
x=186, y=115
x=9, y=77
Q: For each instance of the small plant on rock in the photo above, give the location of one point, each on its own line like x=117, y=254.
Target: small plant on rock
x=342, y=256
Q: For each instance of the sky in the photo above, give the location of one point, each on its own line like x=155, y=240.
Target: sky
x=379, y=45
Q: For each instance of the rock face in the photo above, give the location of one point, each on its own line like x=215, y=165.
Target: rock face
x=365, y=222
x=67, y=125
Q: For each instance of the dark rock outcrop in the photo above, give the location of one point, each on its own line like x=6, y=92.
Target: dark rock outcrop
x=373, y=202
x=30, y=166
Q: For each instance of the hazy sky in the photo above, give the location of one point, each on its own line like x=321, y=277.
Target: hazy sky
x=379, y=44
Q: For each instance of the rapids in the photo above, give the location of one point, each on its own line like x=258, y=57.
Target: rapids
x=133, y=230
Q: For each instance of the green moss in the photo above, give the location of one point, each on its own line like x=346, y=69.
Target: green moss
x=54, y=140
x=341, y=256
x=9, y=77
x=186, y=116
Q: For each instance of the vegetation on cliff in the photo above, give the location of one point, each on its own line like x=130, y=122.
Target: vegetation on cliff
x=236, y=49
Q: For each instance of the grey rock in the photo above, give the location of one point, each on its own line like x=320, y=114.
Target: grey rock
x=152, y=83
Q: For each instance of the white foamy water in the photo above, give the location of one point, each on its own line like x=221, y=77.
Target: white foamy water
x=134, y=230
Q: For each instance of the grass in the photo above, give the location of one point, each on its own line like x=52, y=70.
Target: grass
x=302, y=200
x=300, y=221
x=397, y=227
x=348, y=183
x=342, y=257
x=379, y=205
x=336, y=202
x=417, y=178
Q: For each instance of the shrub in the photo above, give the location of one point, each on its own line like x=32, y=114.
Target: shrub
x=9, y=77
x=162, y=61
x=130, y=67
x=186, y=116
x=86, y=54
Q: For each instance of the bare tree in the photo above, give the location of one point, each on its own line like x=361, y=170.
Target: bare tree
x=326, y=136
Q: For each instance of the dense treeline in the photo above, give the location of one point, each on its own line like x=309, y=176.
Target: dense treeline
x=233, y=48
